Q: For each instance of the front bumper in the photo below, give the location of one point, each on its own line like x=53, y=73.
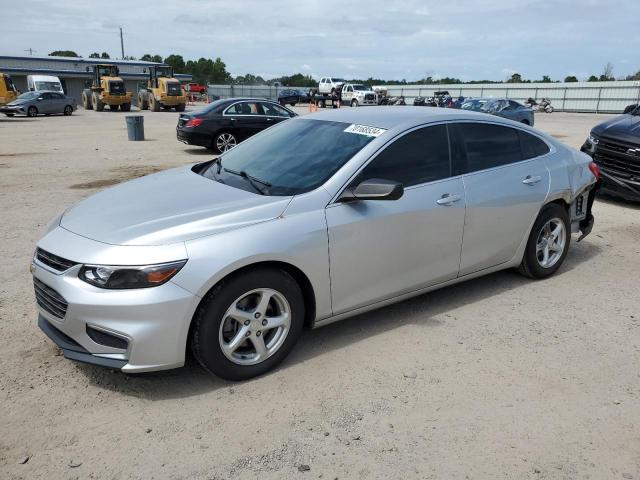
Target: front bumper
x=614, y=184
x=15, y=110
x=151, y=323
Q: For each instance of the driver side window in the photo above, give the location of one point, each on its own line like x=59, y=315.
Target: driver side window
x=420, y=156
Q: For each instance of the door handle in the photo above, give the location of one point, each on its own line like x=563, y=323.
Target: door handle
x=269, y=119
x=529, y=180
x=448, y=199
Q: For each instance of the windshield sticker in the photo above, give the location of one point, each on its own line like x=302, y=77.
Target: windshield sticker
x=365, y=130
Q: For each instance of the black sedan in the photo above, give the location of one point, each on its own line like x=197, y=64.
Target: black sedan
x=223, y=124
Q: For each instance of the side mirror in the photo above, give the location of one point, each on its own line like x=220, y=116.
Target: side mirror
x=374, y=189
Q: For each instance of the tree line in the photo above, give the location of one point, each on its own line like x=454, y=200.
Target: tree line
x=207, y=70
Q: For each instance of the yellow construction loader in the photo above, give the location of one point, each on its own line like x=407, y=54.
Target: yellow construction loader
x=8, y=91
x=162, y=91
x=107, y=88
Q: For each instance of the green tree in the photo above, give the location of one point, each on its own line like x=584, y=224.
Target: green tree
x=94, y=55
x=635, y=76
x=515, y=78
x=546, y=79
x=570, y=78
x=64, y=53
x=177, y=62
x=607, y=73
x=151, y=58
x=592, y=78
x=104, y=55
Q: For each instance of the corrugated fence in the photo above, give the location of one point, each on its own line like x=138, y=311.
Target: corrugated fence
x=594, y=97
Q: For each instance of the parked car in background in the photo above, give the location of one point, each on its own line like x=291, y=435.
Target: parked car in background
x=44, y=83
x=288, y=97
x=502, y=107
x=304, y=96
x=615, y=148
x=223, y=124
x=356, y=95
x=317, y=219
x=40, y=103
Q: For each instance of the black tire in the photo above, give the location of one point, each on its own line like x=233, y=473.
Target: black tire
x=142, y=101
x=68, y=111
x=154, y=105
x=292, y=104
x=32, y=112
x=354, y=103
x=114, y=108
x=204, y=339
x=126, y=107
x=86, y=100
x=9, y=114
x=97, y=104
x=530, y=265
x=180, y=107
x=282, y=103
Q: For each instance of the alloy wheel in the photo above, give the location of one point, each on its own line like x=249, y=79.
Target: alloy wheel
x=551, y=242
x=255, y=326
x=225, y=142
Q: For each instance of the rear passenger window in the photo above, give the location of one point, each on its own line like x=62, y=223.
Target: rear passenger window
x=532, y=146
x=487, y=146
x=418, y=157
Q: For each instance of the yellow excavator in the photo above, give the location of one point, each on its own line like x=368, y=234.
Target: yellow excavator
x=107, y=88
x=162, y=91
x=8, y=91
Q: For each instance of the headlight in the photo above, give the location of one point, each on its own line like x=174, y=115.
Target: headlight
x=593, y=140
x=118, y=277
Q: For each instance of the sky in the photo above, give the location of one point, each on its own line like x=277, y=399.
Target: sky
x=409, y=39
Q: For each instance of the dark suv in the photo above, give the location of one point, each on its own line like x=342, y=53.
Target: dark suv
x=615, y=147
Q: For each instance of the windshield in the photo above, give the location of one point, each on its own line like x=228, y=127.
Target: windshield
x=338, y=80
x=173, y=88
x=117, y=87
x=293, y=157
x=49, y=86
x=492, y=105
x=473, y=105
x=28, y=96
x=360, y=88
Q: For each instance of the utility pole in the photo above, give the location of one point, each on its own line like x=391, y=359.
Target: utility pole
x=121, y=43
x=31, y=51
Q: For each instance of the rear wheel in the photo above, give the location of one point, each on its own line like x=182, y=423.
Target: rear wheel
x=114, y=108
x=86, y=100
x=142, y=101
x=32, y=112
x=548, y=243
x=248, y=324
x=68, y=110
x=224, y=141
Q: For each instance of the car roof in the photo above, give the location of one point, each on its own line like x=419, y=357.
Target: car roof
x=389, y=117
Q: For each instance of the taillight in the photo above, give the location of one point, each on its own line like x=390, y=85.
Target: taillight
x=193, y=122
x=595, y=169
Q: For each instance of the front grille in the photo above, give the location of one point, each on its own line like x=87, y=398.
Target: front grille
x=612, y=156
x=57, y=263
x=50, y=300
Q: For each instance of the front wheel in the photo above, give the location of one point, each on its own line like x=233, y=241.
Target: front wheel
x=32, y=112
x=548, y=243
x=248, y=324
x=354, y=103
x=224, y=141
x=548, y=109
x=68, y=110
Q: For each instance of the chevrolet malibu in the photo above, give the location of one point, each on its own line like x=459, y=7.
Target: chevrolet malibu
x=313, y=220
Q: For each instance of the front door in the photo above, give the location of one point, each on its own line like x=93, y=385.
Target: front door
x=247, y=118
x=504, y=193
x=274, y=113
x=379, y=249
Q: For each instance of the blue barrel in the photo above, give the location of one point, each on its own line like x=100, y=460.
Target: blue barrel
x=135, y=127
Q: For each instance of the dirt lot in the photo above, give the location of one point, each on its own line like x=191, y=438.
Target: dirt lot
x=500, y=377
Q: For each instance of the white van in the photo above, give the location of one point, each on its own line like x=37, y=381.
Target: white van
x=44, y=83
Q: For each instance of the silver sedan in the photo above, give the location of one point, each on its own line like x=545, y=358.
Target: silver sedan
x=311, y=221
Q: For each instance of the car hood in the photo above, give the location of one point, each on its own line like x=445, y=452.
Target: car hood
x=623, y=127
x=168, y=207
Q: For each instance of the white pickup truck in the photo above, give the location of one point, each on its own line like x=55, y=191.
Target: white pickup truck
x=355, y=94
x=329, y=85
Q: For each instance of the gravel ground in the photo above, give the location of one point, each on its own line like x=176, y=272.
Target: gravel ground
x=499, y=377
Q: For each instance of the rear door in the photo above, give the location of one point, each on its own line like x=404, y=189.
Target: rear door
x=381, y=249
x=246, y=118
x=505, y=190
x=47, y=104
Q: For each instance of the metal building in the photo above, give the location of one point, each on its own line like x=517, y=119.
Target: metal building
x=74, y=73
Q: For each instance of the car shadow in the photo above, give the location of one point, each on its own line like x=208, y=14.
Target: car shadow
x=200, y=151
x=422, y=311
x=617, y=201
